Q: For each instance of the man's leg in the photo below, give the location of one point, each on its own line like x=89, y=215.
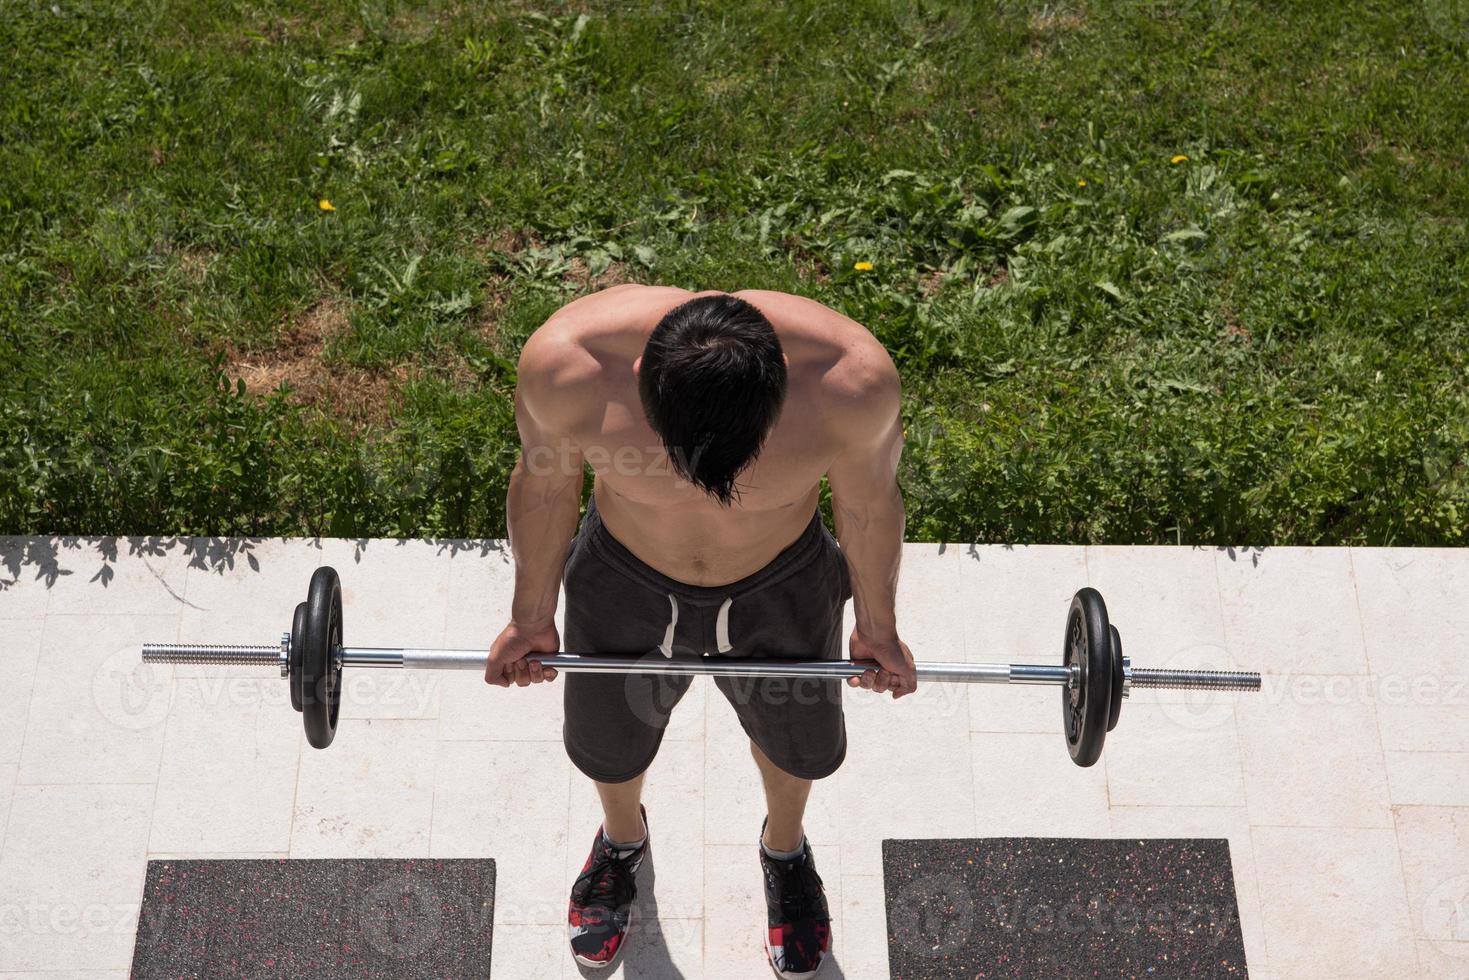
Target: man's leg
x=785, y=803
x=621, y=820
x=798, y=924
x=600, y=912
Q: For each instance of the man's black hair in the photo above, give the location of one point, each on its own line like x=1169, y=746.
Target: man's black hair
x=712, y=383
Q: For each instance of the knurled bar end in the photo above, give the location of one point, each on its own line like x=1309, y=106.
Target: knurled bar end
x=219, y=654
x=1197, y=680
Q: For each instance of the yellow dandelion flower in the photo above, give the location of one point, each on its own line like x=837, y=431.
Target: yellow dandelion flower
x=862, y=266
x=325, y=205
x=1081, y=183
x=1179, y=159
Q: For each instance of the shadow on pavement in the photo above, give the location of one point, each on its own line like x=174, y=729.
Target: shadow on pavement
x=47, y=559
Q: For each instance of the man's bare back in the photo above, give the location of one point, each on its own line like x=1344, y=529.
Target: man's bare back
x=840, y=381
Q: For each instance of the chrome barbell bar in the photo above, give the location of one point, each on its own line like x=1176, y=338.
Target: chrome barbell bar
x=416, y=658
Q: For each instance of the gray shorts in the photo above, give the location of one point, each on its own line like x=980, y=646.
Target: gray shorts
x=792, y=608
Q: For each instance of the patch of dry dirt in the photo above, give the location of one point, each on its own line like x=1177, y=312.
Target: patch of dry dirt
x=581, y=279
x=195, y=263
x=356, y=396
x=1048, y=24
x=931, y=282
x=1050, y=20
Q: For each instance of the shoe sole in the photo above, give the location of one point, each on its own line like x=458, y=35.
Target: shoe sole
x=632, y=918
x=770, y=962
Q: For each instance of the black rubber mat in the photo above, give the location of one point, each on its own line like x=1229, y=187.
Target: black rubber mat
x=378, y=919
x=1041, y=907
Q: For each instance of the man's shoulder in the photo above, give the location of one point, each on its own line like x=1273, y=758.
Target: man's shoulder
x=555, y=356
x=556, y=376
x=848, y=361
x=567, y=338
x=847, y=366
x=845, y=341
x=863, y=381
x=564, y=363
x=628, y=302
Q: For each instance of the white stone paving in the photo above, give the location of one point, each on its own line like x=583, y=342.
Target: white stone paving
x=1343, y=788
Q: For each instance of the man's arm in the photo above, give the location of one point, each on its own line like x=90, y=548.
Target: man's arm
x=868, y=509
x=543, y=502
x=546, y=484
x=542, y=505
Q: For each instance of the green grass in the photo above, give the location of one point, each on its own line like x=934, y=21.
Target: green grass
x=1266, y=343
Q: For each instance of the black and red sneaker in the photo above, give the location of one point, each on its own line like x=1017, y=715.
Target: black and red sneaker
x=600, y=912
x=799, y=934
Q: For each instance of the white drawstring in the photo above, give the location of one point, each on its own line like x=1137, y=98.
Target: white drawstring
x=721, y=627
x=667, y=645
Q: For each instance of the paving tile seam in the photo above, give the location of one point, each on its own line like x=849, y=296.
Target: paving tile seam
x=1415, y=922
x=1245, y=787
x=295, y=800
x=1320, y=826
x=109, y=615
x=110, y=782
x=214, y=855
x=1407, y=906
x=1259, y=892
x=498, y=738
x=1266, y=673
x=1377, y=717
x=1178, y=806
x=438, y=720
x=163, y=739
x=5, y=824
x=433, y=796
x=25, y=725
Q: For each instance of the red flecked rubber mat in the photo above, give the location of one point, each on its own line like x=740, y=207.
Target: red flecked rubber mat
x=1038, y=908
x=326, y=920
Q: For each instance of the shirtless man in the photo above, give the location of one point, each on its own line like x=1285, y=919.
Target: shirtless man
x=709, y=420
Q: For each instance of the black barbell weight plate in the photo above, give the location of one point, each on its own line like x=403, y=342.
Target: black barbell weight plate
x=298, y=635
x=1117, y=680
x=1086, y=705
x=321, y=673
